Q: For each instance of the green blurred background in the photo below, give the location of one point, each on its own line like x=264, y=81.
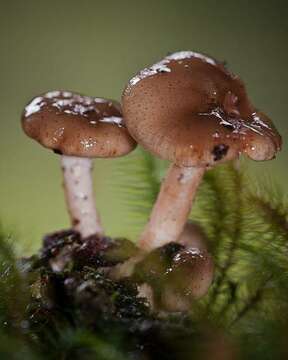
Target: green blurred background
x=94, y=47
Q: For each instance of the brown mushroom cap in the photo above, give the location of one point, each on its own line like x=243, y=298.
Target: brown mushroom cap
x=76, y=125
x=192, y=272
x=190, y=110
x=188, y=279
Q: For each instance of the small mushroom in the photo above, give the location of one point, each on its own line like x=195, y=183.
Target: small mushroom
x=193, y=236
x=178, y=273
x=191, y=272
x=78, y=128
x=189, y=278
x=191, y=110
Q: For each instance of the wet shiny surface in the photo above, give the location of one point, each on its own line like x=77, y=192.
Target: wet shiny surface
x=72, y=124
x=194, y=107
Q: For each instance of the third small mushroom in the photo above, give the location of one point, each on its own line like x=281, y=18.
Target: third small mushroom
x=189, y=109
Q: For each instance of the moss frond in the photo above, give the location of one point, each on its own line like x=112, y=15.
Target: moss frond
x=136, y=180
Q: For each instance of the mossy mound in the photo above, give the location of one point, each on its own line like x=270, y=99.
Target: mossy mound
x=73, y=295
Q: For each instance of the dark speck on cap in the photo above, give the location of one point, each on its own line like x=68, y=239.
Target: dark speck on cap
x=219, y=151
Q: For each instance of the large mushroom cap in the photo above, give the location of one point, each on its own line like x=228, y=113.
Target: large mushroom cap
x=190, y=110
x=76, y=125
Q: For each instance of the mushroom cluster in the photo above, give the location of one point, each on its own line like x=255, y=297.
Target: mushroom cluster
x=188, y=109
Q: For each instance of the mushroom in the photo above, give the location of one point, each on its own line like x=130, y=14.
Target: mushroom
x=176, y=273
x=191, y=272
x=191, y=110
x=193, y=236
x=189, y=279
x=78, y=128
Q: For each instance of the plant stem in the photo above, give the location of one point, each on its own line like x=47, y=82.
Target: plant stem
x=251, y=303
x=79, y=195
x=172, y=207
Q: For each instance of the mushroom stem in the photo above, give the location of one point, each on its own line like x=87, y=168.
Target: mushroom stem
x=79, y=195
x=172, y=207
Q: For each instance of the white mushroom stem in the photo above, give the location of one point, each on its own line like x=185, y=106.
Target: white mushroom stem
x=172, y=207
x=79, y=195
